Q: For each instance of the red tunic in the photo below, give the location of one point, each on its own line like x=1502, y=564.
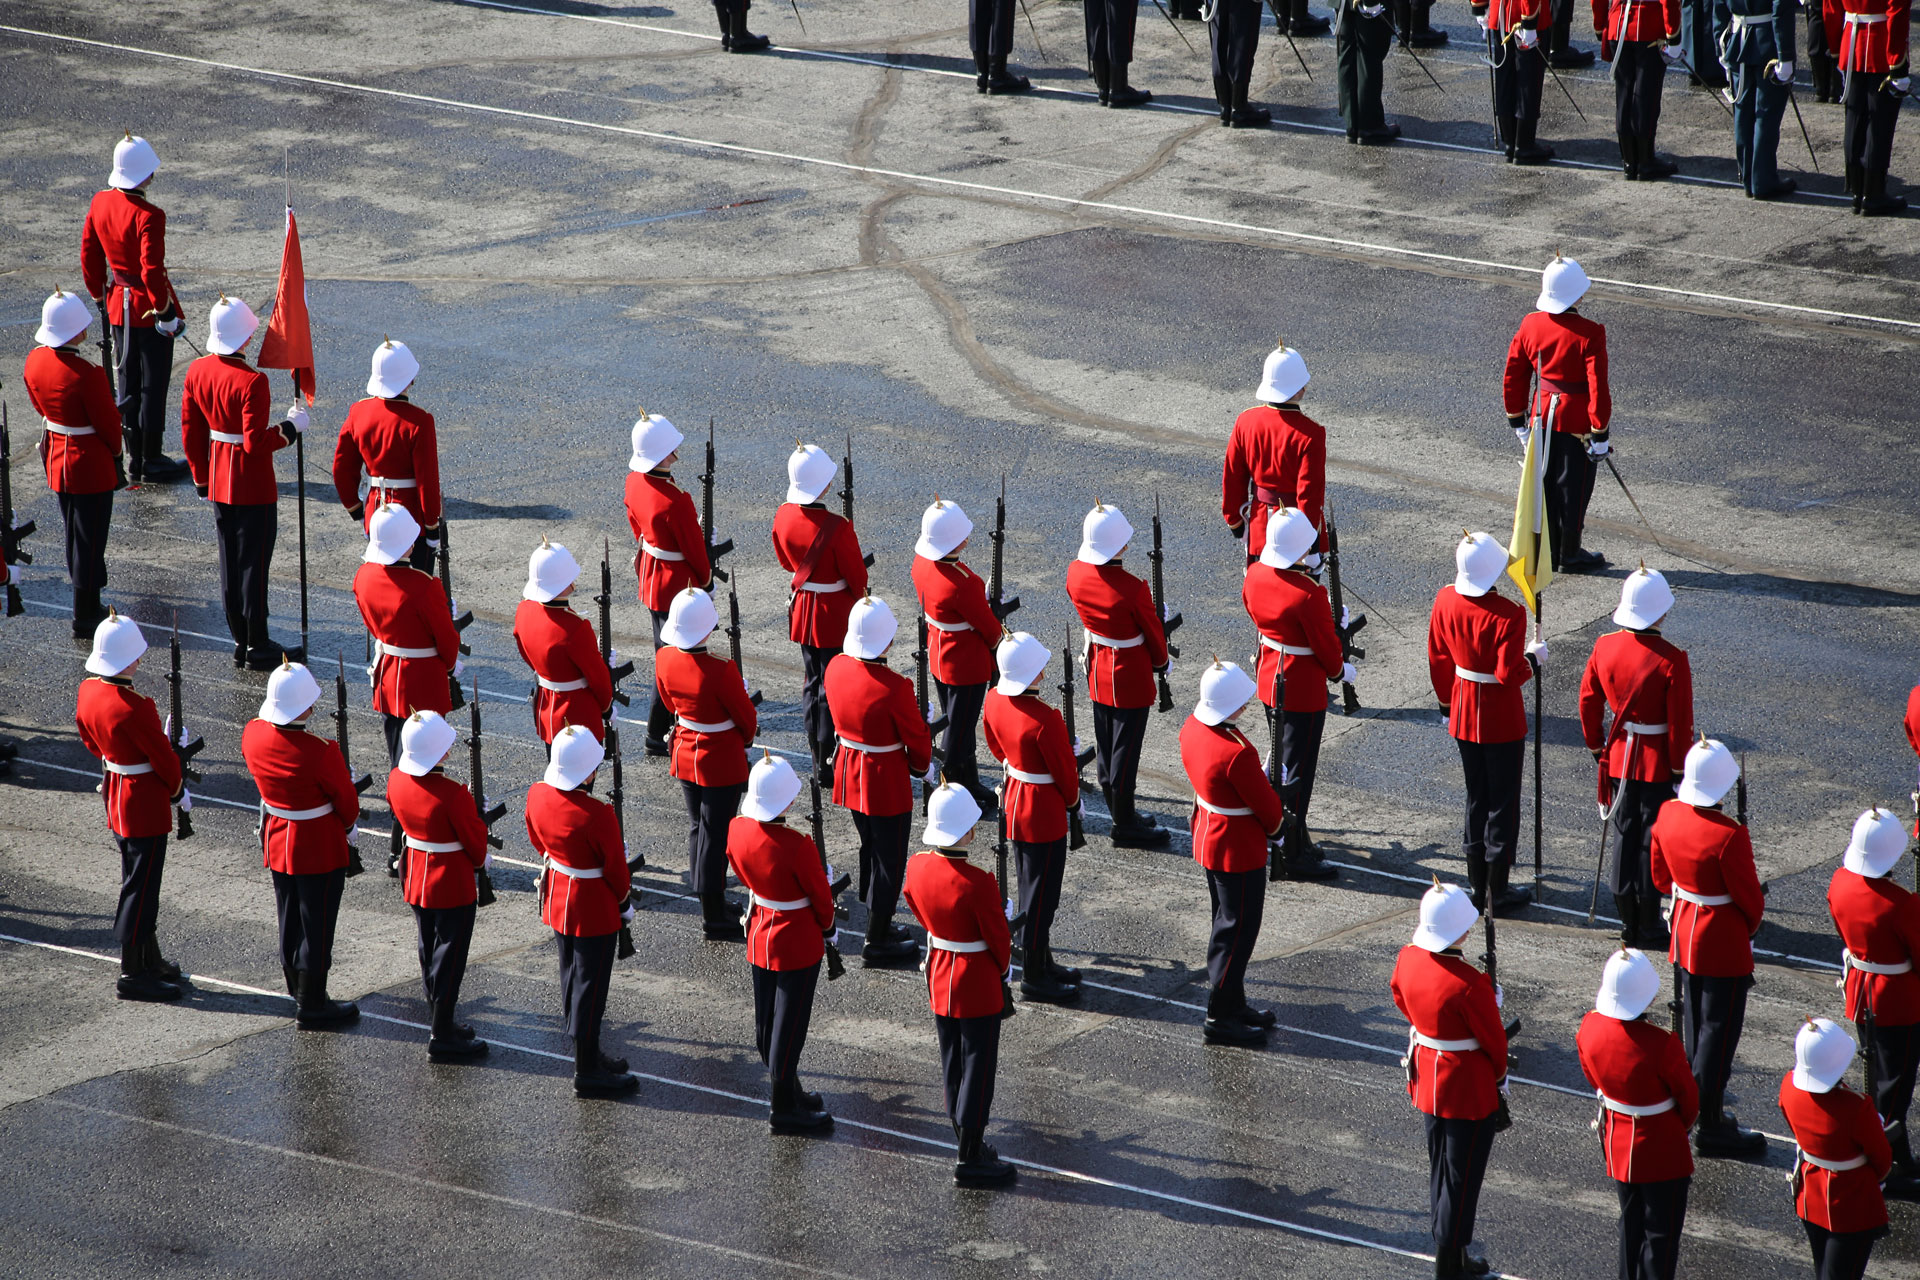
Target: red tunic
x=1706, y=853
x=407, y=609
x=1223, y=767
x=1446, y=998
x=1641, y=1065
x=780, y=864
x=297, y=772
x=1026, y=734
x=1879, y=921
x=392, y=440
x=819, y=618
x=703, y=689
x=961, y=629
x=561, y=648
x=126, y=234
x=1113, y=603
x=69, y=390
x=1873, y=47
x=1488, y=635
x=225, y=394
x=1290, y=608
x=1618, y=20
x=1571, y=351
x=1837, y=1126
x=958, y=902
x=662, y=516
x=120, y=725
x=1275, y=457
x=574, y=828
x=1507, y=14
x=437, y=810
x=1913, y=732
x=875, y=706
x=1645, y=680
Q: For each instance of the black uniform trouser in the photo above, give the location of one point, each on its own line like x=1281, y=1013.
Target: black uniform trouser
x=782, y=1008
x=422, y=555
x=813, y=702
x=390, y=727
x=246, y=534
x=1759, y=103
x=1560, y=33
x=733, y=6
x=445, y=935
x=969, y=1058
x=146, y=363
x=1300, y=734
x=961, y=704
x=1696, y=41
x=1871, y=116
x=1519, y=78
x=87, y=517
x=990, y=25
x=659, y=715
x=308, y=906
x=1633, y=825
x=1360, y=54
x=1651, y=1215
x=1457, y=1152
x=1819, y=57
x=1110, y=26
x=1118, y=733
x=1570, y=473
x=883, y=864
x=1896, y=1053
x=1239, y=901
x=1713, y=1012
x=1639, y=71
x=142, y=861
x=709, y=810
x=1840, y=1255
x=1042, y=867
x=586, y=969
x=1235, y=36
x=1493, y=772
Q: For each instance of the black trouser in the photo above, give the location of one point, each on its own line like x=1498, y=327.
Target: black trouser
x=1457, y=1152
x=709, y=810
x=1896, y=1052
x=782, y=1008
x=1840, y=1255
x=1826, y=75
x=1638, y=72
x=1235, y=37
x=733, y=6
x=146, y=363
x=1493, y=772
x=246, y=535
x=1041, y=867
x=1651, y=1215
x=659, y=715
x=586, y=969
x=390, y=727
x=813, y=703
x=969, y=1057
x=1871, y=116
x=1239, y=901
x=87, y=516
x=1712, y=1013
x=445, y=935
x=1696, y=42
x=1560, y=34
x=883, y=865
x=1759, y=103
x=991, y=27
x=422, y=555
x=308, y=906
x=1519, y=77
x=1118, y=733
x=142, y=860
x=1300, y=734
x=1110, y=26
x=1633, y=824
x=1360, y=53
x=1570, y=473
x=961, y=704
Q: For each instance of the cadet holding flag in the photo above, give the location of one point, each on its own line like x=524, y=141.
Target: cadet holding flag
x=572, y=684
x=964, y=631
x=394, y=443
x=819, y=548
x=673, y=553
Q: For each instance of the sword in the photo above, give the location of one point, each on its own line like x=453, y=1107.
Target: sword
x=1548, y=62
x=1687, y=67
x=1794, y=102
x=1176, y=27
x=1285, y=35
x=1035, y=30
x=1608, y=459
x=798, y=18
x=1408, y=46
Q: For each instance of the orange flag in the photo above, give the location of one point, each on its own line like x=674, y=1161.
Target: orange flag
x=288, y=343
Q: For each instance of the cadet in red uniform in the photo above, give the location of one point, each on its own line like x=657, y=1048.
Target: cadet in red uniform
x=415, y=647
x=1276, y=457
x=1704, y=859
x=1880, y=923
x=884, y=746
x=1029, y=739
x=1648, y=1100
x=81, y=447
x=714, y=724
x=1299, y=653
x=1519, y=72
x=571, y=682
x=1126, y=644
x=584, y=898
x=123, y=259
x=969, y=957
x=673, y=553
x=1647, y=683
x=391, y=441
x=143, y=783
x=1235, y=812
x=1874, y=58
x=308, y=812
x=1566, y=355
x=1840, y=1153
x=1456, y=1067
x=1912, y=726
x=230, y=443
x=1636, y=32
x=1477, y=655
x=789, y=927
x=829, y=573
x=962, y=631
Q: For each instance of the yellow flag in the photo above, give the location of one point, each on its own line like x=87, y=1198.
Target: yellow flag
x=1530, y=549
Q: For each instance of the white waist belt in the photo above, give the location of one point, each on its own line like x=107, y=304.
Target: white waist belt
x=659, y=553
x=771, y=905
x=558, y=686
x=297, y=815
x=873, y=751
x=1756, y=20
x=1702, y=899
x=1031, y=779
x=1131, y=642
x=1835, y=1166
x=1645, y=730
x=942, y=944
x=381, y=482
x=1629, y=1109
x=947, y=626
x=128, y=770
x=60, y=429
x=1223, y=812
x=1292, y=650
x=395, y=651
x=1869, y=19
x=573, y=873
x=435, y=846
x=695, y=725
x=838, y=584
x=1446, y=1046
x=226, y=437
x=1474, y=677
x=1848, y=959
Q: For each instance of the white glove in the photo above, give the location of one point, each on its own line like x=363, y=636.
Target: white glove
x=16, y=574
x=932, y=777
x=833, y=939
x=458, y=667
x=168, y=328
x=371, y=668
x=185, y=803
x=1903, y=84
x=1537, y=650
x=1499, y=996
x=613, y=658
x=1348, y=673
x=1599, y=448
x=1783, y=72
x=1506, y=1089
x=1527, y=38
x=298, y=417
x=453, y=604
x=627, y=911
x=1522, y=434
x=1166, y=611
x=486, y=863
x=1480, y=21
x=1346, y=617
x=1673, y=53
x=1312, y=561
x=1666, y=912
x=1007, y=907
x=1372, y=10
x=353, y=833
x=830, y=876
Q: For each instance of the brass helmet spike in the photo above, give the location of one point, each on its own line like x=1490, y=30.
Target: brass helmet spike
x=1436, y=881
x=1216, y=661
x=57, y=293
x=386, y=340
x=129, y=134
x=286, y=663
x=936, y=499
x=1643, y=564
x=223, y=297
x=1466, y=534
x=544, y=544
x=798, y=445
x=1557, y=257
x=766, y=755
x=1099, y=505
x=112, y=612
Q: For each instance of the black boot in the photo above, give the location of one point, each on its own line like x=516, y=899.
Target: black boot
x=1629, y=156
x=449, y=1041
x=1654, y=935
x=1061, y=972
x=1123, y=94
x=1528, y=149
x=1817, y=67
x=1227, y=1023
x=795, y=1112
x=980, y=1165
x=1720, y=1134
x=1245, y=116
x=1303, y=24
x=158, y=467
x=720, y=919
x=1133, y=829
x=1628, y=907
x=1302, y=859
x=1000, y=80
x=1877, y=203
x=318, y=1013
x=885, y=949
x=1477, y=882
x=1038, y=982
x=1652, y=167
x=1508, y=133
x=292, y=976
x=744, y=41
x=725, y=14
x=591, y=1076
x=1903, y=1182
x=1185, y=10
x=1507, y=900
x=980, y=77
x=167, y=970
x=138, y=982
x=1102, y=77
x=1402, y=20
x=1425, y=34
x=1222, y=94
x=88, y=612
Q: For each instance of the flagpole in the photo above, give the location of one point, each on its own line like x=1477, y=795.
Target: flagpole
x=1539, y=600
x=299, y=440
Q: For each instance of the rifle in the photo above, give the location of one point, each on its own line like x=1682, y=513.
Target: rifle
x=1349, y=651
x=611, y=720
x=836, y=966
x=846, y=490
x=1276, y=773
x=733, y=642
x=1169, y=624
x=996, y=579
x=1502, y=1116
x=11, y=535
x=1076, y=827
x=475, y=781
x=114, y=380
x=617, y=797
x=1740, y=793
x=714, y=550
x=177, y=728
x=460, y=622
x=365, y=780
x=935, y=727
x=1014, y=922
